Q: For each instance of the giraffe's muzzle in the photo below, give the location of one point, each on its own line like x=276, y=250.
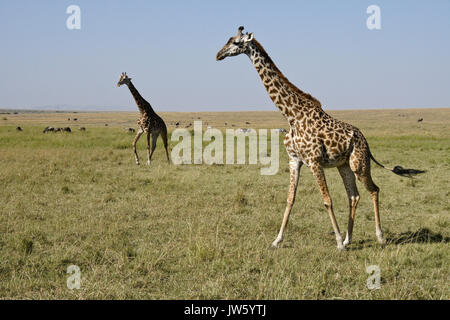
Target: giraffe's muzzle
x=220, y=56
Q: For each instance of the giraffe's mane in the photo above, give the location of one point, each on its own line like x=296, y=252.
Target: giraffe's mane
x=284, y=79
x=144, y=106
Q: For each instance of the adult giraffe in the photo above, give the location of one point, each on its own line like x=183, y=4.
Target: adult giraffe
x=315, y=139
x=148, y=122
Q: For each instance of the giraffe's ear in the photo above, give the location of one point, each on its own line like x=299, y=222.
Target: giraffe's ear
x=248, y=37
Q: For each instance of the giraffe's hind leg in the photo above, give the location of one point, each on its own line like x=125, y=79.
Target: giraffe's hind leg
x=373, y=189
x=348, y=177
x=361, y=167
x=164, y=138
x=136, y=138
x=321, y=181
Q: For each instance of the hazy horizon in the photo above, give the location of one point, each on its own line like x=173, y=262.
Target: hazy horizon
x=169, y=48
x=69, y=109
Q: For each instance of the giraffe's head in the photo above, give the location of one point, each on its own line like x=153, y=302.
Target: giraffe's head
x=123, y=79
x=238, y=44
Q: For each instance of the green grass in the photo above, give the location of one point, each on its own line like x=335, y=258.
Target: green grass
x=203, y=232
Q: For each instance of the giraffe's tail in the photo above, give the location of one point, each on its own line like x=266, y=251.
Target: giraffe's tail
x=399, y=170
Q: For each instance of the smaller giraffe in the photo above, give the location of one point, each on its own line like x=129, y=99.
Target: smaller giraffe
x=149, y=122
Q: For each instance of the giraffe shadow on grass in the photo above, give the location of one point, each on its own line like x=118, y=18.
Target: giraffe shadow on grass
x=422, y=235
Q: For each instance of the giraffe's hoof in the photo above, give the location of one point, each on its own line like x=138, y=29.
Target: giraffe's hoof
x=382, y=242
x=341, y=248
x=148, y=162
x=275, y=244
x=347, y=242
x=380, y=238
x=137, y=163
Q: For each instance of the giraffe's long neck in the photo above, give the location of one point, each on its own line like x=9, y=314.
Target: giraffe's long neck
x=143, y=105
x=286, y=96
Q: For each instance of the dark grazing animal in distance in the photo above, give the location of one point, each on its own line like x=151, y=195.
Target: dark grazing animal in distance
x=47, y=129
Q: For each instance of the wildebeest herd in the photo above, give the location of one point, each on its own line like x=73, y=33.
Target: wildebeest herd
x=51, y=129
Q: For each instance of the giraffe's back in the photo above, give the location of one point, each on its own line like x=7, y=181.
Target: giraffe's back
x=322, y=139
x=154, y=124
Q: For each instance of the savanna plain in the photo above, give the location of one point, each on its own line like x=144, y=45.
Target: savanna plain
x=203, y=231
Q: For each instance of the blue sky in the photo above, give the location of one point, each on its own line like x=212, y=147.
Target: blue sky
x=169, y=48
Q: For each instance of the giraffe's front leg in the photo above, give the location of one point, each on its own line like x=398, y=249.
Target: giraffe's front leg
x=155, y=135
x=136, y=138
x=294, y=169
x=321, y=181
